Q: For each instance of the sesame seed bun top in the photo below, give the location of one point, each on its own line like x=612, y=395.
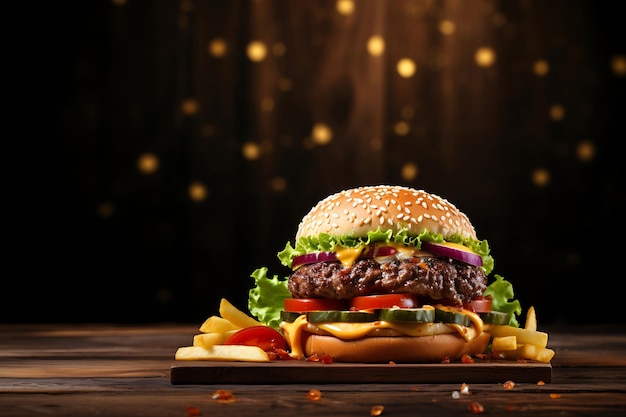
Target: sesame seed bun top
x=360, y=210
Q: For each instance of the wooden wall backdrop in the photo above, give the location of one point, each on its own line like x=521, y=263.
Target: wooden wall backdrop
x=187, y=139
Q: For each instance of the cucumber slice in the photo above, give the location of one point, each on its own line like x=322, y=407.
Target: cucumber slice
x=340, y=315
x=289, y=316
x=419, y=315
x=495, y=317
x=451, y=317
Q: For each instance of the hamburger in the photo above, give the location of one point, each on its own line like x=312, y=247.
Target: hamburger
x=384, y=274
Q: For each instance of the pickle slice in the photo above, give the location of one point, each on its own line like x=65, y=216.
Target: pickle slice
x=340, y=315
x=289, y=316
x=418, y=315
x=495, y=317
x=451, y=317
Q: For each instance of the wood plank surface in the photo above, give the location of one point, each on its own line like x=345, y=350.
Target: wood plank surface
x=114, y=370
x=298, y=372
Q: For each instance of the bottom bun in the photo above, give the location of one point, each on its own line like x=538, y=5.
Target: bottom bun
x=400, y=349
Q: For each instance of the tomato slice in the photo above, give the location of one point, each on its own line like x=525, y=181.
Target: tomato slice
x=481, y=305
x=264, y=337
x=301, y=305
x=372, y=302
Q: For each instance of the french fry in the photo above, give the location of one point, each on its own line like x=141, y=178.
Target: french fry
x=537, y=353
x=216, y=324
x=524, y=336
x=222, y=353
x=236, y=316
x=531, y=319
x=210, y=339
x=504, y=343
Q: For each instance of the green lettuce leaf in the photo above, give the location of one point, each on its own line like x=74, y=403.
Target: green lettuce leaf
x=266, y=299
x=501, y=292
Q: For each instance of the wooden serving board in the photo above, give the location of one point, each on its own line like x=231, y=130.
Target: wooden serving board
x=296, y=372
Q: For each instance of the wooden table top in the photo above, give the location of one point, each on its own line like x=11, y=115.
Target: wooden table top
x=125, y=370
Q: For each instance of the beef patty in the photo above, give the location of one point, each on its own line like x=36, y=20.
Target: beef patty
x=433, y=278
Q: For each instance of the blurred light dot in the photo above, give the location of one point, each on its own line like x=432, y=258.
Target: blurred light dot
x=541, y=177
x=279, y=49
x=197, y=191
x=105, y=210
x=186, y=6
x=285, y=84
x=499, y=19
x=278, y=184
x=251, y=151
x=207, y=130
x=557, y=112
x=485, y=57
x=266, y=146
x=401, y=128
x=376, y=45
x=586, y=151
x=376, y=144
x=345, y=7
x=409, y=171
x=321, y=134
x=406, y=67
x=217, y=48
x=618, y=65
x=189, y=107
x=541, y=67
x=148, y=163
x=256, y=51
x=447, y=27
x=267, y=104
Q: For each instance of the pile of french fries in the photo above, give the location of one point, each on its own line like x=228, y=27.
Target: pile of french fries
x=521, y=343
x=215, y=331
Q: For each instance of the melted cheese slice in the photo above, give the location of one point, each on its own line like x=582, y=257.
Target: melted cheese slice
x=348, y=256
x=342, y=330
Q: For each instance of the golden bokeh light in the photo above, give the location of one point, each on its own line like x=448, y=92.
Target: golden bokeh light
x=557, y=112
x=345, y=7
x=278, y=184
x=499, y=19
x=376, y=45
x=485, y=57
x=251, y=151
x=321, y=134
x=189, y=106
x=401, y=128
x=541, y=67
x=285, y=84
x=406, y=67
x=207, y=130
x=217, y=48
x=409, y=171
x=376, y=144
x=256, y=51
x=197, y=191
x=586, y=150
x=618, y=65
x=447, y=27
x=408, y=112
x=541, y=177
x=279, y=49
x=148, y=163
x=267, y=104
x=105, y=210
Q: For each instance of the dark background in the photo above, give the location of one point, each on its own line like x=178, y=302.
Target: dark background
x=157, y=173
